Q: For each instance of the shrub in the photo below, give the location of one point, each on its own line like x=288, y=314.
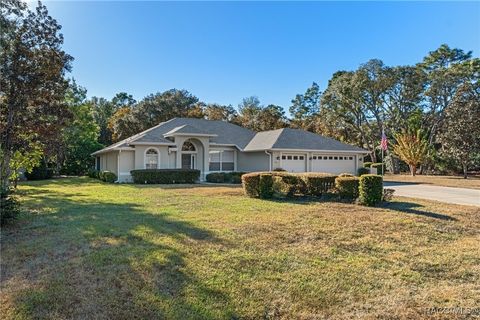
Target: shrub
x=235, y=177
x=250, y=182
x=388, y=194
x=347, y=187
x=318, y=183
x=265, y=186
x=92, y=173
x=108, y=176
x=40, y=173
x=379, y=166
x=9, y=205
x=165, y=176
x=279, y=170
x=215, y=177
x=289, y=184
x=225, y=177
x=346, y=175
x=367, y=164
x=362, y=171
x=370, y=189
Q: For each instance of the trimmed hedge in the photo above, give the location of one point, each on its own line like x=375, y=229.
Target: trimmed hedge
x=370, y=189
x=347, y=187
x=265, y=186
x=225, y=177
x=367, y=164
x=318, y=183
x=379, y=166
x=250, y=183
x=215, y=177
x=286, y=184
x=362, y=171
x=165, y=176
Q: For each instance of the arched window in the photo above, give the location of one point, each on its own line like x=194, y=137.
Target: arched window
x=151, y=159
x=188, y=146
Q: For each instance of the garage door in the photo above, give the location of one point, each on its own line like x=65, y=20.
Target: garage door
x=294, y=162
x=333, y=164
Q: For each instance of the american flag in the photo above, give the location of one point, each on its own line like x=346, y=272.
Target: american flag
x=384, y=142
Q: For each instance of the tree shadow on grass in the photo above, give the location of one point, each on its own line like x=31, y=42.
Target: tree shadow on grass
x=90, y=259
x=413, y=208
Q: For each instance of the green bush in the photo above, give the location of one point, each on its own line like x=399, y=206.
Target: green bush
x=379, y=166
x=215, y=177
x=9, y=206
x=165, y=176
x=367, y=164
x=225, y=177
x=108, y=176
x=318, y=183
x=92, y=173
x=40, y=173
x=250, y=183
x=362, y=171
x=236, y=178
x=279, y=170
x=347, y=187
x=370, y=189
x=265, y=186
x=288, y=184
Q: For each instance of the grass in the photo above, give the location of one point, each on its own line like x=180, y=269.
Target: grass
x=85, y=249
x=473, y=182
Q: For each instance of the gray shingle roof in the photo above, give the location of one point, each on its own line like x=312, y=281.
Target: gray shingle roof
x=227, y=133
x=188, y=129
x=296, y=139
x=230, y=134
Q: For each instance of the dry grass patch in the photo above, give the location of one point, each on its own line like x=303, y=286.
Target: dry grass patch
x=473, y=182
x=85, y=249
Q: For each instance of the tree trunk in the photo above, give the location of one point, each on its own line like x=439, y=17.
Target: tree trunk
x=413, y=170
x=464, y=170
x=5, y=170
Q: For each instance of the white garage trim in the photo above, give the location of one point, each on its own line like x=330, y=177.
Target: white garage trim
x=293, y=162
x=333, y=163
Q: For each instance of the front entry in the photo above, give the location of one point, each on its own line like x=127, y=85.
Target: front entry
x=188, y=161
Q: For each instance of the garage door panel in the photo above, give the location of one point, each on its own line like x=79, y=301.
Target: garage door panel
x=294, y=162
x=333, y=163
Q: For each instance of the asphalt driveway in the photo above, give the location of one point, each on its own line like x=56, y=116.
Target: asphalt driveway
x=444, y=194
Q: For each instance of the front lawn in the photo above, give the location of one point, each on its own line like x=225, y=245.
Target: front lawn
x=87, y=249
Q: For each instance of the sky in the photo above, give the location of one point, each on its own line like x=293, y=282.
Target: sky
x=225, y=51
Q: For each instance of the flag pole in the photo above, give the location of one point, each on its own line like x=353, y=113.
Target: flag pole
x=381, y=146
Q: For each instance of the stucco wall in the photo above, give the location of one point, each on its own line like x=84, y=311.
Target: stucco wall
x=108, y=162
x=125, y=165
x=166, y=160
x=252, y=161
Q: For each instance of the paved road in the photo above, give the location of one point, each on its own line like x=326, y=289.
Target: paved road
x=444, y=194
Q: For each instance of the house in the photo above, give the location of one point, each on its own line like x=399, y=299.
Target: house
x=213, y=146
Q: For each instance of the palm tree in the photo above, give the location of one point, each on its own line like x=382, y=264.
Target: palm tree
x=412, y=148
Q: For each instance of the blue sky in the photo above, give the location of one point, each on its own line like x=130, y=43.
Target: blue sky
x=224, y=51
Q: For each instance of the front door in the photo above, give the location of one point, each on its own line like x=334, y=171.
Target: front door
x=188, y=161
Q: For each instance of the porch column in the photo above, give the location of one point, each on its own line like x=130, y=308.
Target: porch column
x=178, y=156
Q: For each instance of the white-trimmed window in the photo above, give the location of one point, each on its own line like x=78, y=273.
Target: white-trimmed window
x=221, y=160
x=151, y=159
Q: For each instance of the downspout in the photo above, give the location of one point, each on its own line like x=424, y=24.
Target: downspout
x=269, y=162
x=118, y=166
